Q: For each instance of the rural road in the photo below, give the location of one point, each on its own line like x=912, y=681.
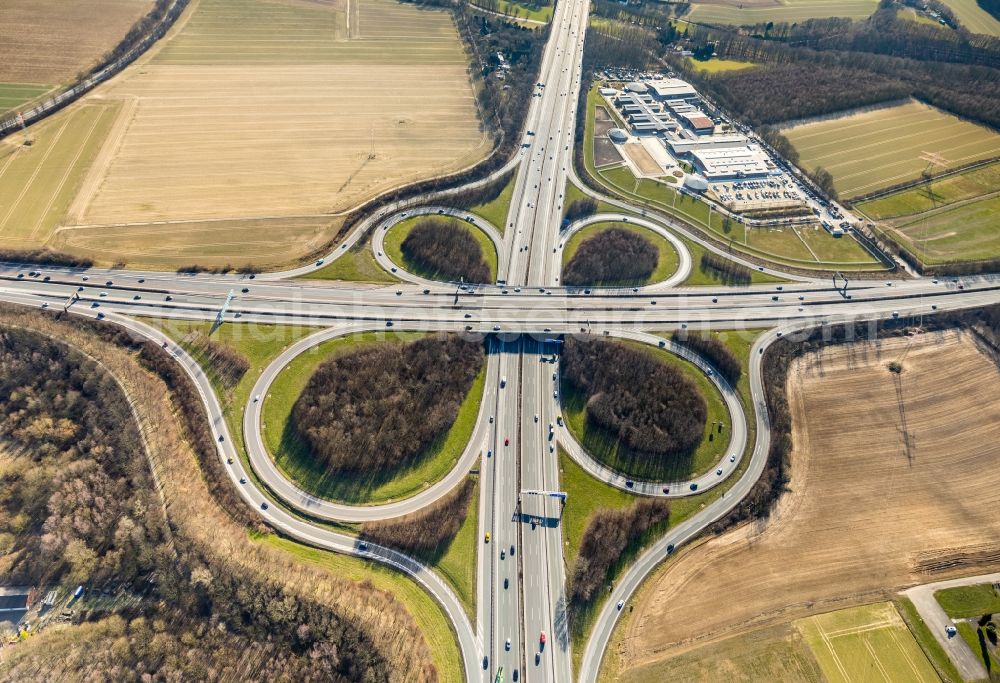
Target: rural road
x=968, y=663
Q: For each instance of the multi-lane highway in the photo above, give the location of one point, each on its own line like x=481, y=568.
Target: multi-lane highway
x=521, y=575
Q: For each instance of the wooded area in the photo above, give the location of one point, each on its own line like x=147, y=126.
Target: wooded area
x=609, y=535
x=445, y=249
x=717, y=353
x=650, y=406
x=428, y=532
x=379, y=408
x=80, y=507
x=612, y=256
x=848, y=65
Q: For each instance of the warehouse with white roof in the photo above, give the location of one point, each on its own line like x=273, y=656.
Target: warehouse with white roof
x=733, y=163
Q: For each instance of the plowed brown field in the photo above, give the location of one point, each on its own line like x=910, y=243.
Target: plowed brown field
x=894, y=482
x=50, y=41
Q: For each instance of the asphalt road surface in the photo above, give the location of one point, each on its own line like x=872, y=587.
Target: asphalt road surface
x=521, y=582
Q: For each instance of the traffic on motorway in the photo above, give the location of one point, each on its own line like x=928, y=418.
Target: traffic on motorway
x=520, y=630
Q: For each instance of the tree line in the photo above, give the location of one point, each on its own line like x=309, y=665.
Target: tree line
x=428, y=532
x=444, y=249
x=884, y=33
x=649, y=406
x=717, y=353
x=610, y=535
x=612, y=256
x=728, y=272
x=375, y=410
x=225, y=362
x=581, y=208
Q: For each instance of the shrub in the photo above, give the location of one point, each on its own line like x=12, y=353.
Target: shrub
x=446, y=250
x=715, y=351
x=381, y=407
x=610, y=533
x=651, y=407
x=580, y=208
x=429, y=531
x=614, y=255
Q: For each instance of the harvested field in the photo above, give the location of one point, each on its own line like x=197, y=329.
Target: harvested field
x=791, y=11
x=274, y=113
x=642, y=159
x=886, y=471
x=877, y=148
x=51, y=41
x=263, y=108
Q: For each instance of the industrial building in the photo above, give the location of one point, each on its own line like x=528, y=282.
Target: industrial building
x=733, y=163
x=698, y=122
x=681, y=147
x=672, y=89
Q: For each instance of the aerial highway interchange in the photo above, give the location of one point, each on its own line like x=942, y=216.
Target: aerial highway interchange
x=521, y=577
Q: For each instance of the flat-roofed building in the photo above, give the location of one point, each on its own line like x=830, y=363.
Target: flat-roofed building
x=749, y=161
x=672, y=89
x=682, y=147
x=697, y=122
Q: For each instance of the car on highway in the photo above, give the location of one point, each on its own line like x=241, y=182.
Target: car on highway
x=541, y=641
x=629, y=483
x=496, y=328
x=536, y=417
x=718, y=472
x=506, y=582
x=245, y=290
x=506, y=441
x=621, y=603
x=487, y=537
x=512, y=550
x=732, y=458
x=503, y=381
x=506, y=644
x=503, y=554
x=263, y=506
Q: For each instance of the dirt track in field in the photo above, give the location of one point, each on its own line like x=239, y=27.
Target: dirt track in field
x=50, y=41
x=894, y=483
